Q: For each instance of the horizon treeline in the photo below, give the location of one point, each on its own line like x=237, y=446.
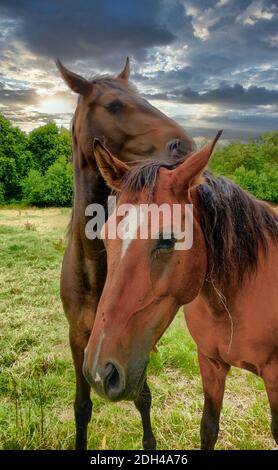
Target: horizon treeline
x=36, y=168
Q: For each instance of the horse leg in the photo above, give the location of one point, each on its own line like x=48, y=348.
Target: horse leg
x=213, y=377
x=270, y=376
x=82, y=404
x=143, y=405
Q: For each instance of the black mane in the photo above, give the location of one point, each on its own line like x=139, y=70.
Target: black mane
x=145, y=175
x=235, y=226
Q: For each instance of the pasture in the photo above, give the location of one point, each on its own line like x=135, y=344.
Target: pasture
x=37, y=381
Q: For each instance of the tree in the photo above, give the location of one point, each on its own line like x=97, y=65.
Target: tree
x=24, y=159
x=54, y=188
x=33, y=188
x=36, y=168
x=254, y=165
x=58, y=183
x=15, y=159
x=47, y=143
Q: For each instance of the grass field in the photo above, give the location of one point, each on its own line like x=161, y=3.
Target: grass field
x=36, y=373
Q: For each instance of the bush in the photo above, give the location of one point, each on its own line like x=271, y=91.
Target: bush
x=33, y=188
x=263, y=185
x=2, y=194
x=21, y=153
x=47, y=143
x=254, y=166
x=14, y=159
x=58, y=183
x=52, y=189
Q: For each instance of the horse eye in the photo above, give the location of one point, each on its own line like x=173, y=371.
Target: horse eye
x=165, y=244
x=114, y=106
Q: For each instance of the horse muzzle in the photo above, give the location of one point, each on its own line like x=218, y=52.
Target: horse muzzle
x=112, y=382
x=177, y=148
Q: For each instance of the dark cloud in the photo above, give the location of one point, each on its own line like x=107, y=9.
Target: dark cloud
x=234, y=41
x=19, y=117
x=240, y=96
x=235, y=126
x=229, y=133
x=248, y=124
x=217, y=52
x=168, y=80
x=88, y=28
x=11, y=97
x=235, y=95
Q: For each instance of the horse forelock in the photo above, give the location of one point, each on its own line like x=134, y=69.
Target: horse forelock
x=144, y=176
x=107, y=80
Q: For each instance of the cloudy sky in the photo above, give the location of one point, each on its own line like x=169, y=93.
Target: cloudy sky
x=209, y=64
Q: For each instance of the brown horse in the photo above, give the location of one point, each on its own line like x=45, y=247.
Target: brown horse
x=227, y=279
x=108, y=108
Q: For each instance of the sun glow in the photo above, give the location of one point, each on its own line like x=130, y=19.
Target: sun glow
x=54, y=106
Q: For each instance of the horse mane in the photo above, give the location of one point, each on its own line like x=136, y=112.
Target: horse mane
x=235, y=226
x=110, y=80
x=234, y=223
x=144, y=175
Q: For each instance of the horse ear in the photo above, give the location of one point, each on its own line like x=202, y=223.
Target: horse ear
x=188, y=173
x=111, y=168
x=124, y=75
x=76, y=83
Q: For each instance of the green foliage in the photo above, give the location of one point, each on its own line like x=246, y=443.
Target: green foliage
x=32, y=188
x=48, y=143
x=31, y=166
x=15, y=159
x=8, y=176
x=2, y=194
x=254, y=165
x=35, y=168
x=58, y=183
x=54, y=188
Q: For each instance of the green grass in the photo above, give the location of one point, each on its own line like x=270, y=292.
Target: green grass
x=36, y=374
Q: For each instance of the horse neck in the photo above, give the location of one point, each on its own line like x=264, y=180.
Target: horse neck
x=88, y=188
x=218, y=296
x=239, y=232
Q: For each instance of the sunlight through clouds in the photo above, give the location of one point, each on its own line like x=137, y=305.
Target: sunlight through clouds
x=203, y=62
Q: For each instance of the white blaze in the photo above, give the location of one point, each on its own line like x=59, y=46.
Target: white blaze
x=128, y=227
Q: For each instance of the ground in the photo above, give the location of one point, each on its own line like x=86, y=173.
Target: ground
x=36, y=373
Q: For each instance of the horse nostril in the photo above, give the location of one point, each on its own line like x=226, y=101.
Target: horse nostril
x=172, y=145
x=178, y=148
x=111, y=376
x=113, y=381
